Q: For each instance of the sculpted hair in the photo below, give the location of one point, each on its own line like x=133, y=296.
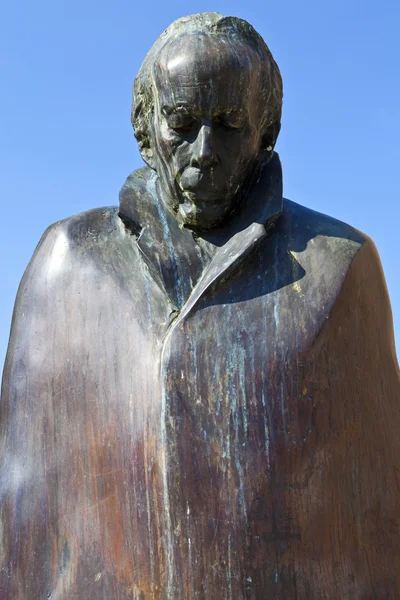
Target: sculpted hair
x=233, y=28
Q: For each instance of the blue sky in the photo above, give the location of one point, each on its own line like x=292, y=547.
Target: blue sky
x=67, y=144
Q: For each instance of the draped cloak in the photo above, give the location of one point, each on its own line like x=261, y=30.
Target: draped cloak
x=178, y=426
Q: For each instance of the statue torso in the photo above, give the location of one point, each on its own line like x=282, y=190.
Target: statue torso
x=171, y=386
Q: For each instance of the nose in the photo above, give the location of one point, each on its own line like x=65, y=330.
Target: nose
x=204, y=151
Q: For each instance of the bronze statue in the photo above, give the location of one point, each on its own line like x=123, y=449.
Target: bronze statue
x=201, y=395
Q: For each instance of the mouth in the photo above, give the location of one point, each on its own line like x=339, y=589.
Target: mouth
x=197, y=185
x=190, y=179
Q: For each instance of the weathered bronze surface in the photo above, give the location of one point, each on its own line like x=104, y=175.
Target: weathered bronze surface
x=201, y=395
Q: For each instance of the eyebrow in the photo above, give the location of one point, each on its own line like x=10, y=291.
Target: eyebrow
x=176, y=107
x=187, y=109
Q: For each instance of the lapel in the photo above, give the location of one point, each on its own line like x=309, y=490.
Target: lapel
x=171, y=253
x=173, y=258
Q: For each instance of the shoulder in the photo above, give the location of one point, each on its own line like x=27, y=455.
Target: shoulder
x=102, y=224
x=307, y=223
x=322, y=239
x=84, y=228
x=331, y=254
x=334, y=254
x=90, y=242
x=98, y=225
x=99, y=239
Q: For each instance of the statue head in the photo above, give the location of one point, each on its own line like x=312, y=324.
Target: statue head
x=206, y=112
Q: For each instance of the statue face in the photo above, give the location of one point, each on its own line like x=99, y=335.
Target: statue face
x=206, y=128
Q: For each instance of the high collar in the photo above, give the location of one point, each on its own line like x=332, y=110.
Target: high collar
x=171, y=252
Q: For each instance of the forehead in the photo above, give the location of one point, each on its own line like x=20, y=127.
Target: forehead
x=206, y=72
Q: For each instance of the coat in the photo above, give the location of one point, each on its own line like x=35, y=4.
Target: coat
x=184, y=424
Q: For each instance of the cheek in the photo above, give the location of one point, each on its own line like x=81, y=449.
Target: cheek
x=165, y=140
x=249, y=144
x=181, y=154
x=173, y=151
x=241, y=148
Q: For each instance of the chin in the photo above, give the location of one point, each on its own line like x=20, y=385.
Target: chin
x=197, y=214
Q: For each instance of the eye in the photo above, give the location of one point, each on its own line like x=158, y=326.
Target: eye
x=179, y=118
x=181, y=122
x=230, y=121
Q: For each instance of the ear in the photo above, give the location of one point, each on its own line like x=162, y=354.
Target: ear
x=269, y=138
x=145, y=149
x=146, y=153
x=142, y=134
x=268, y=141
